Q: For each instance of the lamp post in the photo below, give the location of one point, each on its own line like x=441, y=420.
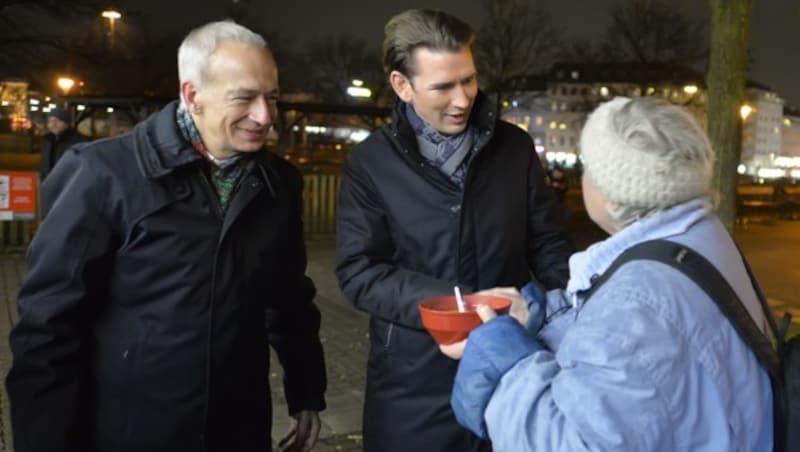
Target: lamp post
x=357, y=89
x=745, y=111
x=112, y=16
x=65, y=83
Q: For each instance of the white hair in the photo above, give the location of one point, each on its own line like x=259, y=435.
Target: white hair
x=646, y=155
x=194, y=54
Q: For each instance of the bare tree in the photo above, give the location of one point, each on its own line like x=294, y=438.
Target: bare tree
x=730, y=28
x=31, y=29
x=580, y=51
x=334, y=62
x=517, y=38
x=654, y=31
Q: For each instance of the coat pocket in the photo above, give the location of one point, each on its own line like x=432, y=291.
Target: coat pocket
x=115, y=386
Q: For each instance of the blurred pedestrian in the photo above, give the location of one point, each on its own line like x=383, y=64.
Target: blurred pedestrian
x=60, y=137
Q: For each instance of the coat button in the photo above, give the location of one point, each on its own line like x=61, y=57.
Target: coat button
x=180, y=190
x=455, y=208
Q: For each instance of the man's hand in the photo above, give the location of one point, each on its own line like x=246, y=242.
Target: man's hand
x=303, y=433
x=456, y=350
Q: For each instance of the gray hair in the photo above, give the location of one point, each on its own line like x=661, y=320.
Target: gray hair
x=422, y=28
x=667, y=158
x=194, y=54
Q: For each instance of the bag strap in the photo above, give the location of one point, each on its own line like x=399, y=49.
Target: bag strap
x=779, y=332
x=707, y=277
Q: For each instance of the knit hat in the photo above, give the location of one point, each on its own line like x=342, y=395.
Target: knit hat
x=60, y=113
x=646, y=153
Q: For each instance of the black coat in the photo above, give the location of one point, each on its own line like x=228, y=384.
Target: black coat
x=406, y=233
x=54, y=146
x=144, y=313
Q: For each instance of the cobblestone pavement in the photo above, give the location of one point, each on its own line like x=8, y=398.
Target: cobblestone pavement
x=772, y=249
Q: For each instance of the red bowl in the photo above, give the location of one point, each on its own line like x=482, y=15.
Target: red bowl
x=446, y=324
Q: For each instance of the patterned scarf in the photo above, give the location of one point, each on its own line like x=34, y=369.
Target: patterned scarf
x=224, y=174
x=451, y=155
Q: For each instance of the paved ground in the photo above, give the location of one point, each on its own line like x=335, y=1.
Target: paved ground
x=773, y=249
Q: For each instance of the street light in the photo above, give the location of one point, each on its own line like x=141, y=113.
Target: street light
x=112, y=16
x=358, y=89
x=65, y=83
x=745, y=111
x=690, y=89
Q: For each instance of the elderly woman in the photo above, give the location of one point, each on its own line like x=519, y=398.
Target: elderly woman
x=648, y=362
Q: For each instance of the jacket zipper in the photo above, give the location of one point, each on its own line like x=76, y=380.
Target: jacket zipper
x=388, y=336
x=212, y=194
x=217, y=208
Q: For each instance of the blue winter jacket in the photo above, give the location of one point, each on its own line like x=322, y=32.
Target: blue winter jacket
x=648, y=364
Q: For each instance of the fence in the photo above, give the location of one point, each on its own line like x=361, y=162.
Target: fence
x=770, y=202
x=319, y=203
x=15, y=234
x=319, y=212
x=322, y=190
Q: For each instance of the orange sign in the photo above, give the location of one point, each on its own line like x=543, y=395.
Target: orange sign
x=17, y=195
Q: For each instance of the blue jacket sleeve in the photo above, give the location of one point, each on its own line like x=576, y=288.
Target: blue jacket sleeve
x=596, y=393
x=492, y=349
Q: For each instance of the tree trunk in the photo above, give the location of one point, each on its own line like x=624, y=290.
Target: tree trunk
x=730, y=28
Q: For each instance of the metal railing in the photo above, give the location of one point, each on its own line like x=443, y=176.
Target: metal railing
x=15, y=234
x=320, y=195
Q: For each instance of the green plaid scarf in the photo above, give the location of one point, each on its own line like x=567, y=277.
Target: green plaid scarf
x=224, y=174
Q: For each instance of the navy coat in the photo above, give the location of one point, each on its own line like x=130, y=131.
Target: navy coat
x=146, y=315
x=406, y=233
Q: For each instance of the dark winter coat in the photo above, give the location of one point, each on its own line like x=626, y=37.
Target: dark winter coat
x=146, y=317
x=54, y=146
x=406, y=233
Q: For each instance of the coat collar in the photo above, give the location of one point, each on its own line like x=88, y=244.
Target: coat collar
x=483, y=118
x=160, y=147
x=584, y=266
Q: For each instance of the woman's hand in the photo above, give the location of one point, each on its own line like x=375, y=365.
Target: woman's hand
x=456, y=349
x=519, y=306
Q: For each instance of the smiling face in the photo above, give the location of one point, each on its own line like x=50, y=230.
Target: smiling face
x=236, y=105
x=442, y=89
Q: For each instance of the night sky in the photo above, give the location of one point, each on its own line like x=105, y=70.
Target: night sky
x=774, y=40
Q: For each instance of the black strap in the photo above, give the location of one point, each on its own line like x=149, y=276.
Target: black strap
x=708, y=278
x=779, y=332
